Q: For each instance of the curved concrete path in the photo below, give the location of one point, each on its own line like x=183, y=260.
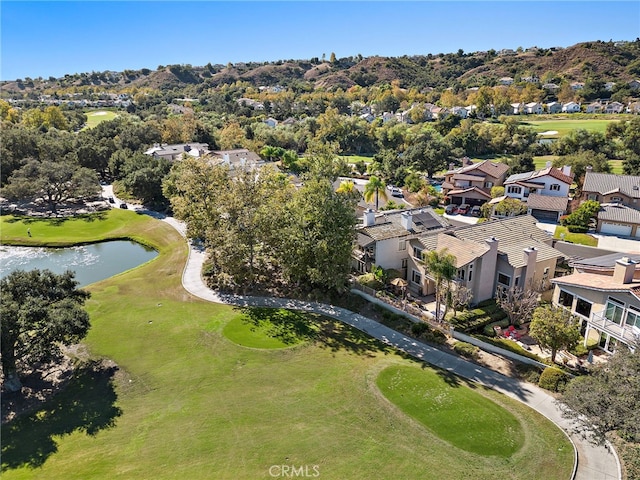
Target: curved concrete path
x=594, y=462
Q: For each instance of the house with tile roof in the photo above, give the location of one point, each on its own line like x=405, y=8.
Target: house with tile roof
x=472, y=182
x=513, y=253
x=546, y=191
x=382, y=239
x=617, y=219
x=604, y=293
x=610, y=188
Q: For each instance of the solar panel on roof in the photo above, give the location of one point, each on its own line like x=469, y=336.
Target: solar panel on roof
x=426, y=221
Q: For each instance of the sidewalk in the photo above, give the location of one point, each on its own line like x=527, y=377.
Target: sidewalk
x=593, y=462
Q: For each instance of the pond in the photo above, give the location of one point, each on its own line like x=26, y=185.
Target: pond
x=91, y=263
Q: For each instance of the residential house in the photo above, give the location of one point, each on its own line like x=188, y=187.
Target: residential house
x=634, y=84
x=272, y=122
x=546, y=208
x=368, y=117
x=571, y=107
x=176, y=152
x=506, y=51
x=633, y=107
x=512, y=253
x=614, y=107
x=237, y=158
x=438, y=113
x=604, y=293
x=549, y=188
x=517, y=108
x=554, y=107
x=609, y=86
x=462, y=112
x=617, y=219
x=551, y=87
x=472, y=182
x=383, y=239
x=387, y=117
x=577, y=85
x=530, y=79
x=533, y=108
x=505, y=81
x=595, y=107
x=610, y=188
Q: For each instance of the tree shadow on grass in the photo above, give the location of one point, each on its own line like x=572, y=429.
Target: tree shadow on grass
x=86, y=405
x=291, y=326
x=58, y=221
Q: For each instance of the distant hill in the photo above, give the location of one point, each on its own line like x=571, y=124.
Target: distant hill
x=588, y=61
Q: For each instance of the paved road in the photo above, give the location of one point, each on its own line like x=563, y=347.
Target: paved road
x=594, y=462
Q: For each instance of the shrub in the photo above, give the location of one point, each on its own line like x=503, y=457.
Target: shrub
x=434, y=336
x=577, y=229
x=509, y=345
x=370, y=280
x=466, y=349
x=418, y=329
x=529, y=373
x=490, y=332
x=553, y=379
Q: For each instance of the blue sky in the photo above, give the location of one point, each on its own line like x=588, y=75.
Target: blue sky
x=54, y=38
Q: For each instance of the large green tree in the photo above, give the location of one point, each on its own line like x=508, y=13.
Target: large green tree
x=607, y=399
x=53, y=182
x=428, y=152
x=554, y=328
x=40, y=312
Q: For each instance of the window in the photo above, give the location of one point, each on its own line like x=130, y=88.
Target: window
x=404, y=263
x=470, y=272
x=461, y=273
x=565, y=299
x=417, y=253
x=513, y=189
x=616, y=199
x=555, y=187
x=416, y=277
x=545, y=274
x=614, y=310
x=504, y=279
x=592, y=196
x=488, y=184
x=402, y=245
x=633, y=317
x=516, y=281
x=583, y=308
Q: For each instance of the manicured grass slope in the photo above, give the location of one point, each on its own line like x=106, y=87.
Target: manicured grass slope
x=186, y=402
x=461, y=416
x=563, y=127
x=99, y=116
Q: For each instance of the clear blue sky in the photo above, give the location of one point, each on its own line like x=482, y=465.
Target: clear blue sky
x=54, y=38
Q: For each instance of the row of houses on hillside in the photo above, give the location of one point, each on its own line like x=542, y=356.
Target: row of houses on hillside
x=240, y=157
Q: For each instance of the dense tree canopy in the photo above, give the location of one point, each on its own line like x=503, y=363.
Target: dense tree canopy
x=40, y=311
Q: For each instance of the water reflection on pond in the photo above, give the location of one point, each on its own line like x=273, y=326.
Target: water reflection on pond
x=90, y=262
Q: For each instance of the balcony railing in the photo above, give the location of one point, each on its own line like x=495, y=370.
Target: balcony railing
x=624, y=333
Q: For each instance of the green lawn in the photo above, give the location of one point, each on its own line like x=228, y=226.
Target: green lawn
x=186, y=402
x=563, y=127
x=579, y=238
x=357, y=158
x=98, y=116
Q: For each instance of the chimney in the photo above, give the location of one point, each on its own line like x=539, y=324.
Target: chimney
x=589, y=168
x=225, y=158
x=566, y=169
x=369, y=217
x=531, y=257
x=406, y=220
x=623, y=270
x=451, y=166
x=548, y=165
x=466, y=161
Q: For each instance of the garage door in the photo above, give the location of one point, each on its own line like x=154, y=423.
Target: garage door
x=544, y=216
x=615, y=229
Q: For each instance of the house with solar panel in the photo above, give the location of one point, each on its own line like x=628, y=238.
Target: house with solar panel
x=545, y=191
x=472, y=183
x=383, y=238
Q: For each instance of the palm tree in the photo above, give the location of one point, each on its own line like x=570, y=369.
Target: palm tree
x=441, y=265
x=348, y=188
x=374, y=187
